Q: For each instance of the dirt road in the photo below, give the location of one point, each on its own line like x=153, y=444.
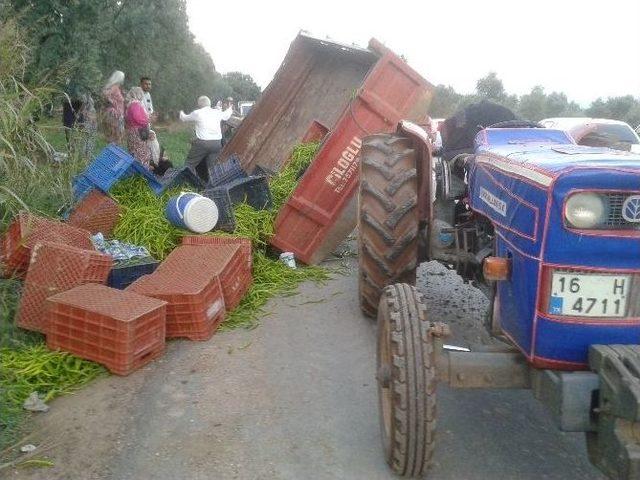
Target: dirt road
x=295, y=399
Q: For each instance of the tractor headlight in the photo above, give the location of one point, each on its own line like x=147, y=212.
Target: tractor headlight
x=586, y=210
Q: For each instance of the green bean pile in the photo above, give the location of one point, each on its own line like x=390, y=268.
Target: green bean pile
x=270, y=276
x=258, y=225
x=37, y=369
x=142, y=221
x=284, y=183
x=254, y=224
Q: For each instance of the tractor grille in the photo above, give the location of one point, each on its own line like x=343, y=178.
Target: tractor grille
x=616, y=221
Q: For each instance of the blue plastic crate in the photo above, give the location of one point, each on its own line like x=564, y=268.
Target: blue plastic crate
x=252, y=190
x=175, y=177
x=81, y=186
x=110, y=166
x=225, y=172
x=125, y=274
x=262, y=171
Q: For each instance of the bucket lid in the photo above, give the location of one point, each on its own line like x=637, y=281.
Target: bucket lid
x=200, y=214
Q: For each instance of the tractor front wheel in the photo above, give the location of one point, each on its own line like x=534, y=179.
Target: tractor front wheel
x=406, y=378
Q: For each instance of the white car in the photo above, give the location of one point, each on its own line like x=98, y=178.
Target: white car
x=245, y=107
x=599, y=132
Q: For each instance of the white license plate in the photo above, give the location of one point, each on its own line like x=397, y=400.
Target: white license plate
x=589, y=295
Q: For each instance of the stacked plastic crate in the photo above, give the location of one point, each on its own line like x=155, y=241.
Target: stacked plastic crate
x=55, y=268
x=200, y=282
x=119, y=329
x=26, y=231
x=195, y=305
x=235, y=275
x=96, y=212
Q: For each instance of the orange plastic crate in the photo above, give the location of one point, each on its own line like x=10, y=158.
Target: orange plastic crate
x=26, y=230
x=119, y=329
x=55, y=268
x=245, y=243
x=96, y=212
x=195, y=305
x=229, y=261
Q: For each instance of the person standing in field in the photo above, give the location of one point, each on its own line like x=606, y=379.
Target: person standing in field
x=71, y=105
x=208, y=136
x=145, y=84
x=88, y=124
x=154, y=145
x=113, y=113
x=139, y=135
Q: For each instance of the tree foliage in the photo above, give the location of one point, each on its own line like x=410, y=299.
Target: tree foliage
x=491, y=87
x=140, y=37
x=242, y=86
x=535, y=105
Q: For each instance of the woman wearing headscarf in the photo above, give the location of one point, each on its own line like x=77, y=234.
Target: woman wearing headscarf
x=113, y=115
x=139, y=136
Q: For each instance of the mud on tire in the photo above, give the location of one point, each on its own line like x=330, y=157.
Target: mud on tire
x=387, y=217
x=406, y=381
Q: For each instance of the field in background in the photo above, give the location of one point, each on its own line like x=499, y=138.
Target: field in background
x=174, y=137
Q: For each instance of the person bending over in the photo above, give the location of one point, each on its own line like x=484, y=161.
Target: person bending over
x=207, y=142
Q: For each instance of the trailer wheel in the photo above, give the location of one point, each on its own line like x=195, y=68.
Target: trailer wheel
x=387, y=217
x=406, y=378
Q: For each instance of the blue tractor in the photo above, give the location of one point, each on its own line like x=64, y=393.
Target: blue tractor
x=551, y=231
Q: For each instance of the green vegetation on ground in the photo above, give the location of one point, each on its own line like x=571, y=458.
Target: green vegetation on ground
x=143, y=223
x=270, y=276
x=34, y=177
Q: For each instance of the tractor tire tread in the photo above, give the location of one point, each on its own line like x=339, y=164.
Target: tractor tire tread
x=387, y=220
x=413, y=381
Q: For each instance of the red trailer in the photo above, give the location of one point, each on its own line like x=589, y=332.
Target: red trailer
x=322, y=210
x=306, y=97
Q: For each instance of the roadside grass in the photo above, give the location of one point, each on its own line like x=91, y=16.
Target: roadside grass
x=43, y=190
x=44, y=187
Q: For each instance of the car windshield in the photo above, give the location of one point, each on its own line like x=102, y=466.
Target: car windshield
x=608, y=134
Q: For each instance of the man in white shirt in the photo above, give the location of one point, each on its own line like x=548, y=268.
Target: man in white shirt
x=207, y=144
x=145, y=84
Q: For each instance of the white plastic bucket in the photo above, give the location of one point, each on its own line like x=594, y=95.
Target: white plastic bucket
x=192, y=211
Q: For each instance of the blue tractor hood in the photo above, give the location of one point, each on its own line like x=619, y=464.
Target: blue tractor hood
x=520, y=180
x=549, y=151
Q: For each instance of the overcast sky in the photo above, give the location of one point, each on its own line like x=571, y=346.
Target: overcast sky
x=586, y=49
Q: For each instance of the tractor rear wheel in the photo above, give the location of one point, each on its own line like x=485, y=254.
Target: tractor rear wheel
x=387, y=217
x=406, y=378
